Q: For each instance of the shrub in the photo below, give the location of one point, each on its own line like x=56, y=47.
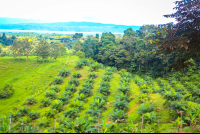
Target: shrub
x=77, y=104
x=51, y=113
x=79, y=64
x=51, y=94
x=64, y=98
x=82, y=97
x=107, y=78
x=119, y=116
x=143, y=97
x=71, y=88
x=6, y=91
x=23, y=111
x=94, y=112
x=104, y=90
x=150, y=118
x=121, y=105
x=64, y=73
x=33, y=115
x=92, y=75
x=55, y=88
x=44, y=122
x=45, y=102
x=112, y=69
x=99, y=104
x=145, y=108
x=58, y=80
x=105, y=84
x=15, y=115
x=125, y=79
x=88, y=85
x=72, y=113
x=80, y=54
x=95, y=66
x=101, y=97
x=58, y=105
x=68, y=93
x=30, y=100
x=91, y=80
x=123, y=97
x=74, y=81
x=86, y=91
x=124, y=89
x=76, y=75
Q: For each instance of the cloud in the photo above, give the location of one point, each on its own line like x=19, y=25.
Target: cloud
x=127, y=12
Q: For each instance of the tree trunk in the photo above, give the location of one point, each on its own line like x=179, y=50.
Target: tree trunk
x=147, y=67
x=27, y=58
x=43, y=60
x=139, y=66
x=142, y=124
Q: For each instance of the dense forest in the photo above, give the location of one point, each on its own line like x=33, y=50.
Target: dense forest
x=144, y=81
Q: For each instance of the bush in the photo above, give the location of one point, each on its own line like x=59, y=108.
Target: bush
x=107, y=78
x=77, y=104
x=58, y=80
x=30, y=100
x=86, y=91
x=74, y=82
x=121, y=105
x=80, y=54
x=79, y=64
x=64, y=99
x=91, y=80
x=45, y=102
x=58, y=105
x=119, y=116
x=76, y=75
x=6, y=91
x=88, y=85
x=145, y=108
x=68, y=93
x=72, y=113
x=51, y=113
x=124, y=89
x=82, y=97
x=23, y=111
x=44, y=122
x=33, y=115
x=95, y=66
x=71, y=88
x=51, y=94
x=143, y=97
x=55, y=88
x=92, y=75
x=64, y=73
x=104, y=90
x=123, y=97
x=105, y=84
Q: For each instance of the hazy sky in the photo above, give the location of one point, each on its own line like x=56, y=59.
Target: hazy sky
x=126, y=12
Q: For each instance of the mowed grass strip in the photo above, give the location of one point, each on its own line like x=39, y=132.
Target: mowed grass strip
x=27, y=78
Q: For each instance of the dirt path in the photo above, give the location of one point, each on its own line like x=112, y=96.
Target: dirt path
x=132, y=109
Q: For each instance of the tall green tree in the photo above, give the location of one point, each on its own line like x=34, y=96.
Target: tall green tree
x=54, y=50
x=43, y=49
x=27, y=47
x=179, y=41
x=17, y=48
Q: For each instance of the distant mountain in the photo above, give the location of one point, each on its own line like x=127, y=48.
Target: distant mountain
x=18, y=21
x=30, y=24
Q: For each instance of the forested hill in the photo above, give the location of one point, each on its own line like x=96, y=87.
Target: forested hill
x=66, y=26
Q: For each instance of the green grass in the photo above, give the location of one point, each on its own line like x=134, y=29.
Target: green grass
x=32, y=78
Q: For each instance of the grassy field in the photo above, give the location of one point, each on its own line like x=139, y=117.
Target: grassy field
x=33, y=78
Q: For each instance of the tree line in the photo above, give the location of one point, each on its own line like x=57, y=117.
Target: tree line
x=43, y=49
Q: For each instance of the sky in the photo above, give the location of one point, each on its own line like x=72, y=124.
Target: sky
x=123, y=12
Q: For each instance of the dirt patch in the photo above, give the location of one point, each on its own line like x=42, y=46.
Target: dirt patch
x=153, y=96
x=108, y=122
x=132, y=109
